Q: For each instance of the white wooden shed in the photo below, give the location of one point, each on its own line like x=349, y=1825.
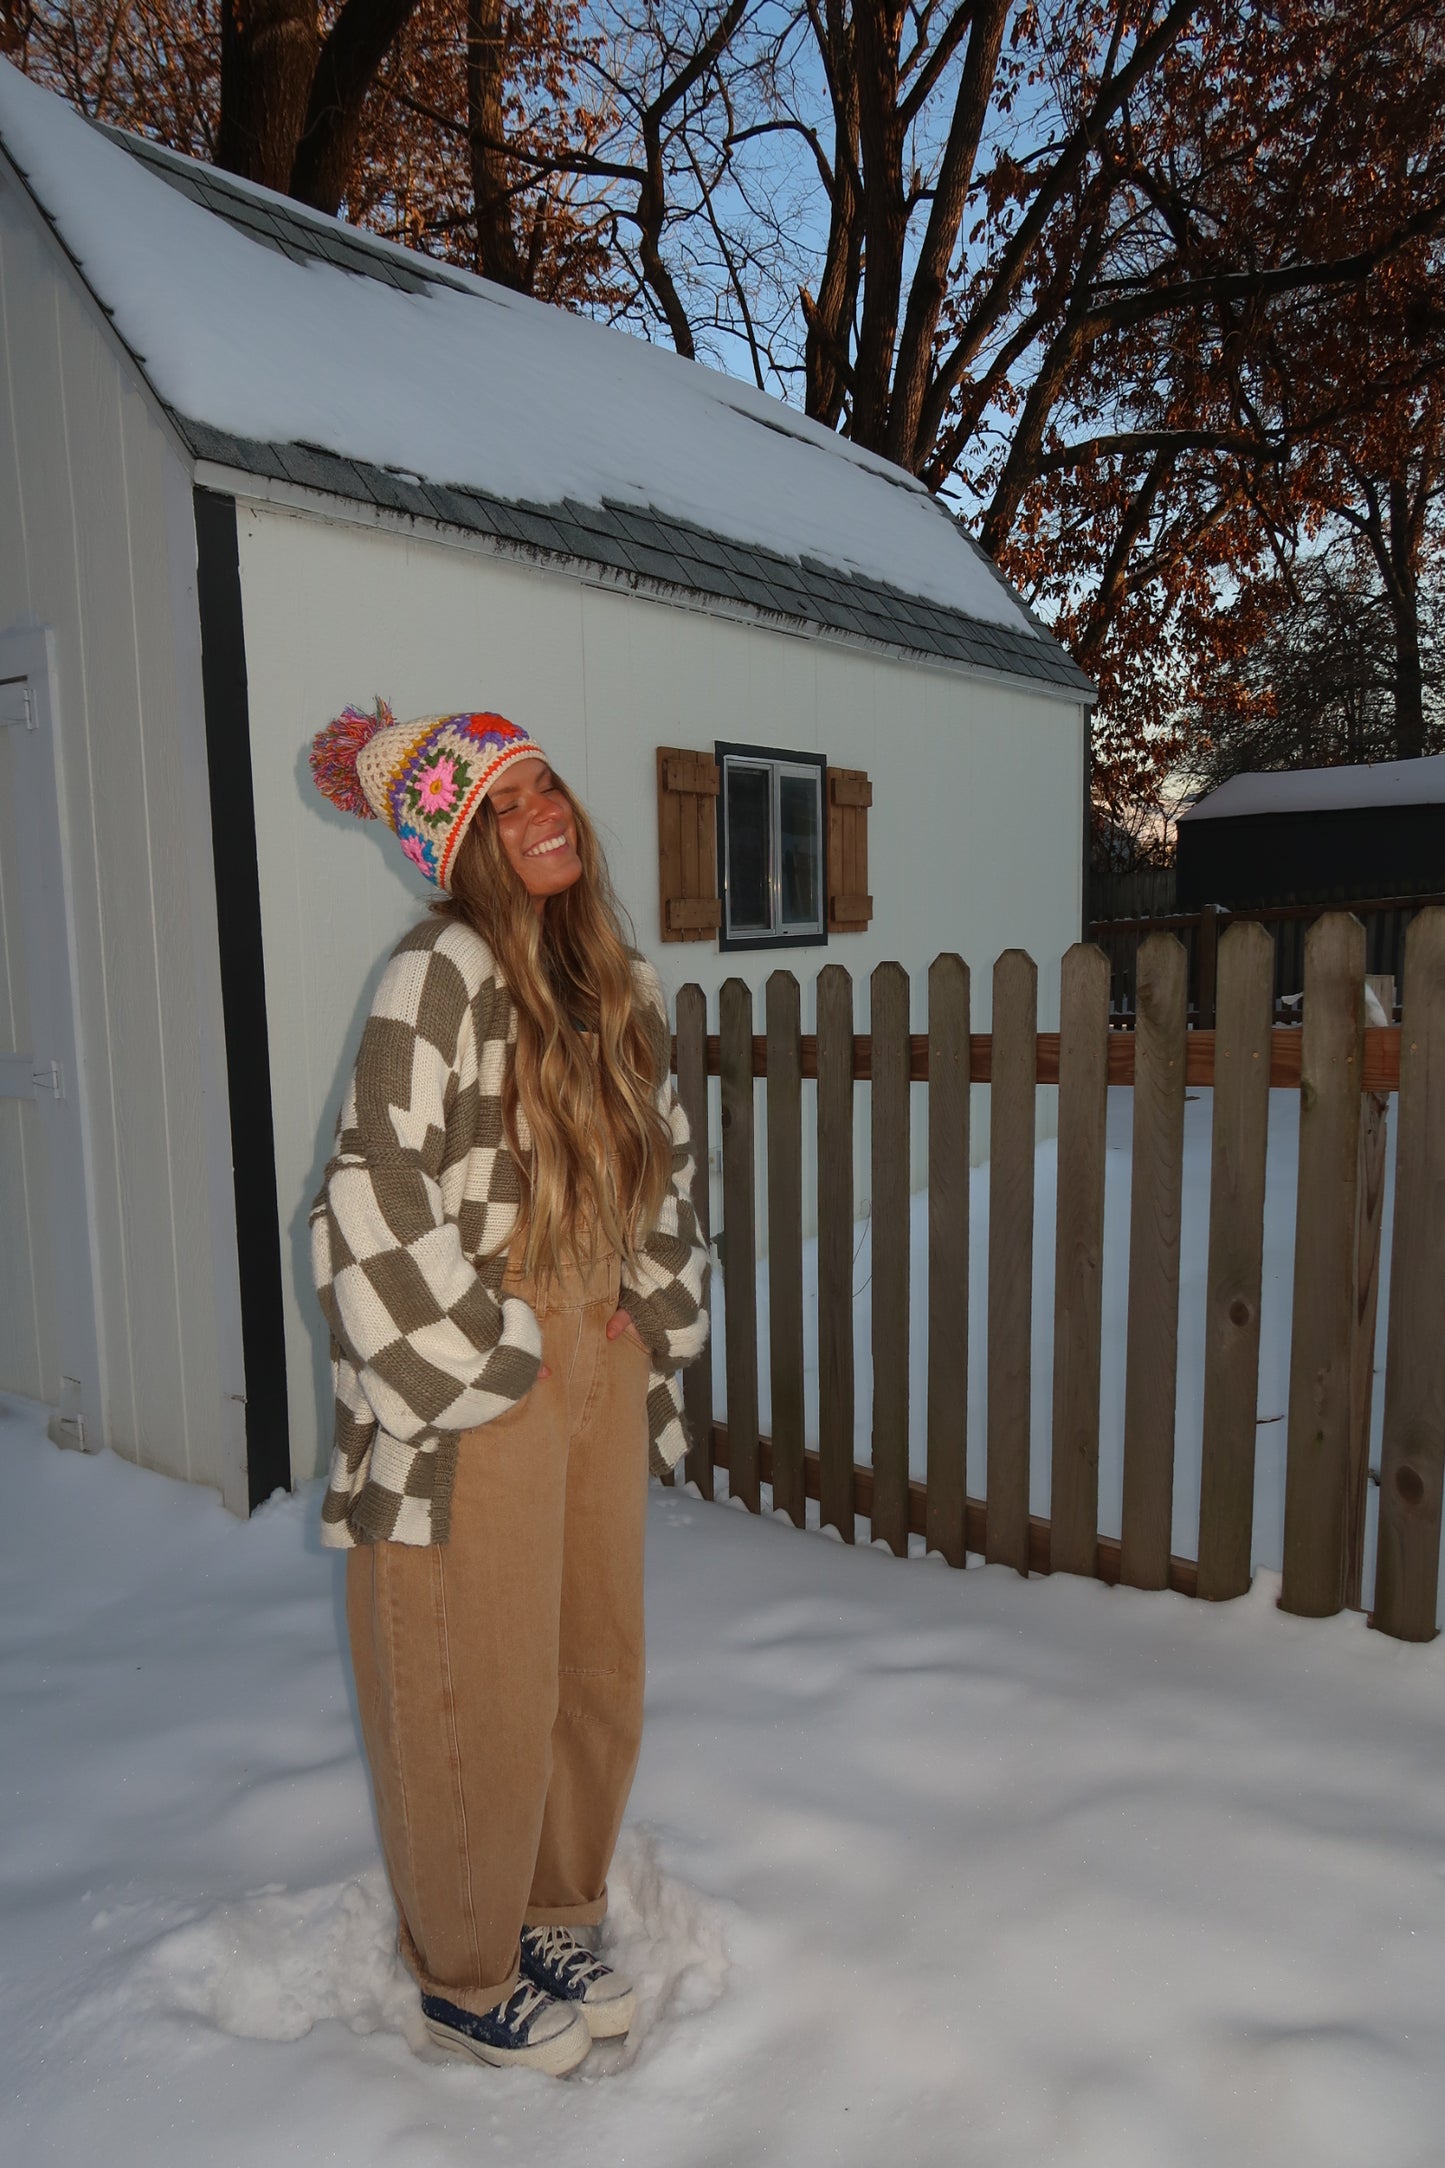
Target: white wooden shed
x=255, y=465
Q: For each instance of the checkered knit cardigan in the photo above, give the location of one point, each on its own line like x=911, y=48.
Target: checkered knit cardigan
x=409, y=1237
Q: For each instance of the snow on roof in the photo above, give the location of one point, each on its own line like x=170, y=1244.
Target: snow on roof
x=421, y=367
x=1326, y=790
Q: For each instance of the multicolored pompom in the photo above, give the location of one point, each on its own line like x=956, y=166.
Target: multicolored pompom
x=334, y=753
x=424, y=778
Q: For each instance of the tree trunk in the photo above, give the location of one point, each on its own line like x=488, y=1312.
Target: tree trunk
x=929, y=287
x=1403, y=588
x=877, y=29
x=497, y=253
x=1409, y=682
x=358, y=42
x=829, y=319
x=268, y=62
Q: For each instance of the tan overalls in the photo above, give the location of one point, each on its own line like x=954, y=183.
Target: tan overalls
x=500, y=1676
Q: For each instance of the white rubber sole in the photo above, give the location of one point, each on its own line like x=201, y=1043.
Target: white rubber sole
x=555, y=2057
x=611, y=2019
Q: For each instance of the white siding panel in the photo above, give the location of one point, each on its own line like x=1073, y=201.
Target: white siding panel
x=211, y=1298
x=51, y=596
x=181, y=887
x=975, y=837
x=125, y=848
x=28, y=1355
x=104, y=511
x=14, y=571
x=27, y=1358
x=29, y=1351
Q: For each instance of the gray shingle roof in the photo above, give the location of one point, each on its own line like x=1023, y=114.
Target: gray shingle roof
x=637, y=544
x=306, y=236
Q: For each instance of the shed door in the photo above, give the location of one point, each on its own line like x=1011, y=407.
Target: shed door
x=49, y=1341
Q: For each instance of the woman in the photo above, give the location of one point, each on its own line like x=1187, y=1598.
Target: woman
x=507, y=1255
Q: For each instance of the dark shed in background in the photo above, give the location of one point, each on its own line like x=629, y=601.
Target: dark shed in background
x=1316, y=835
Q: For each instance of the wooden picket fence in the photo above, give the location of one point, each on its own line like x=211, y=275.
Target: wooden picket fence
x=1346, y=1076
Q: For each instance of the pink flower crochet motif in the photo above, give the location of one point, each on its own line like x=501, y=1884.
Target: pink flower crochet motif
x=436, y=787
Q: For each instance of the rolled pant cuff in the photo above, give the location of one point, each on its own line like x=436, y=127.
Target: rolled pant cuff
x=479, y=2001
x=587, y=1915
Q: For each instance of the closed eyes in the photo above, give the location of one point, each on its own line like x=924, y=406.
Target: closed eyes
x=503, y=806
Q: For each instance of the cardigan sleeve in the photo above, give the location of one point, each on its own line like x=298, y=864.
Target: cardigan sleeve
x=664, y=1290
x=433, y=1349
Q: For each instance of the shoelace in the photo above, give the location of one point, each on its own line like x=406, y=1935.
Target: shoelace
x=556, y=1947
x=523, y=2004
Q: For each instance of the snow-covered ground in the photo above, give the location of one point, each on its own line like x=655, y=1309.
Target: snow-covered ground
x=921, y=1866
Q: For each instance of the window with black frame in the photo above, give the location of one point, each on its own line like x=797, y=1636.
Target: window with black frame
x=770, y=847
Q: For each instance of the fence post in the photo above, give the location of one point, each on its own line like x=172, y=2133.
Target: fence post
x=1369, y=1213
x=785, y=1242
x=1151, y=1372
x=835, y=1249
x=888, y=1026
x=740, y=1261
x=1079, y=1258
x=1010, y=1255
x=948, y=1241
x=692, y=1091
x=1207, y=953
x=1317, y=1462
x=1236, y=1255
x=1408, y=1558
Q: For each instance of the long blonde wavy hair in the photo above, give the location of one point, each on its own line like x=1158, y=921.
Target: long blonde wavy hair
x=590, y=1056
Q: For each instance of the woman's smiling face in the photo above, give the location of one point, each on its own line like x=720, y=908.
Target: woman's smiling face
x=537, y=831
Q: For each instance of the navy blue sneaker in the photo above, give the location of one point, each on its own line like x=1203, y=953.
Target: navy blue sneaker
x=531, y=2029
x=553, y=1959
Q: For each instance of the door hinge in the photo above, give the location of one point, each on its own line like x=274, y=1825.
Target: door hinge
x=23, y=1077
x=17, y=706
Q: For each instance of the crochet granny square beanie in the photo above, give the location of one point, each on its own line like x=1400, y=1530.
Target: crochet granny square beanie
x=424, y=778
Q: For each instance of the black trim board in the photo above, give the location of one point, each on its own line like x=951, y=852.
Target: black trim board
x=243, y=993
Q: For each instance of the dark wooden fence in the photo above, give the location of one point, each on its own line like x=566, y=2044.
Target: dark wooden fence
x=1386, y=920
x=1147, y=892
x=1346, y=1075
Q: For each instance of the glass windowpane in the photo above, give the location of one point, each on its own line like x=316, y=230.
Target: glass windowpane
x=800, y=801
x=749, y=817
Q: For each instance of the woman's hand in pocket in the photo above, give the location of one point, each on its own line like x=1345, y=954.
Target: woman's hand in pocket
x=621, y=1327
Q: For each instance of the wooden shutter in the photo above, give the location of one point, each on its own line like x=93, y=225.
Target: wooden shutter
x=850, y=907
x=687, y=791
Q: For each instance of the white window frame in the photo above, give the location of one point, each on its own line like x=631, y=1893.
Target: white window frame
x=778, y=764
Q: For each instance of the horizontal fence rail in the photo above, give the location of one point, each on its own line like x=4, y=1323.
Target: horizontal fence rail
x=1381, y=1072
x=1349, y=1076
x=1183, y=1572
